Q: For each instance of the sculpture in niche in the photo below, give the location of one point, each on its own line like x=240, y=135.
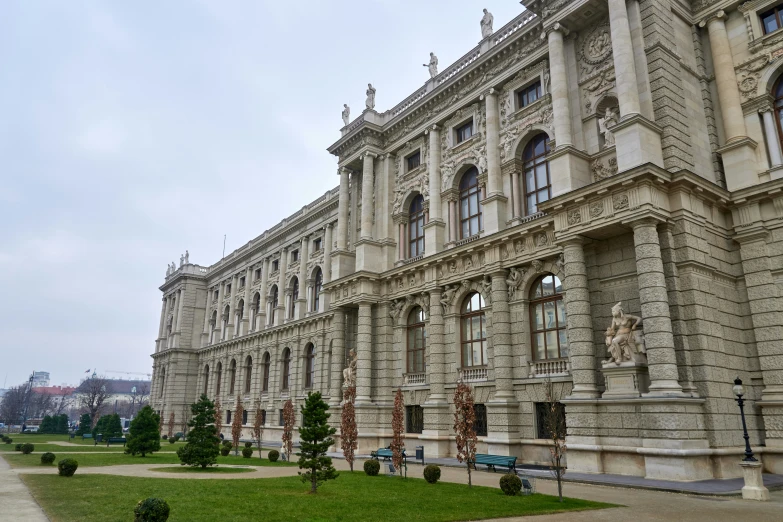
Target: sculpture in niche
x=513, y=281
x=432, y=66
x=346, y=114
x=537, y=265
x=519, y=246
x=623, y=341
x=453, y=267
x=485, y=286
x=481, y=158
x=349, y=373
x=447, y=296
x=605, y=124
x=541, y=240
x=468, y=263
x=486, y=24
x=370, y=102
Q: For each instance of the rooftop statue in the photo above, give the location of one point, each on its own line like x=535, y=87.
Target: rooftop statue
x=433, y=65
x=370, y=97
x=346, y=114
x=486, y=24
x=187, y=257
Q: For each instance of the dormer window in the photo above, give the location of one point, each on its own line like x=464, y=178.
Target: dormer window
x=772, y=20
x=465, y=132
x=414, y=160
x=529, y=94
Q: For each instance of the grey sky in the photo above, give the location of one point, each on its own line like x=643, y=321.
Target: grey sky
x=130, y=131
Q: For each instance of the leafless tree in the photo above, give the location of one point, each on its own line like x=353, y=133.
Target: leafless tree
x=554, y=424
x=92, y=394
x=12, y=404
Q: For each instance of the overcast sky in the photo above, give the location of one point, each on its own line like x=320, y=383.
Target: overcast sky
x=131, y=131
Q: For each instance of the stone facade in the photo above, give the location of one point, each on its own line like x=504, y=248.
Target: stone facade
x=626, y=150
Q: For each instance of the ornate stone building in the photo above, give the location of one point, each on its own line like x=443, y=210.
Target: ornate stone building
x=587, y=153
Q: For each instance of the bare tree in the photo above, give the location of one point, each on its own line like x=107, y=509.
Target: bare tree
x=554, y=424
x=92, y=393
x=12, y=404
x=218, y=416
x=236, y=425
x=464, y=426
x=398, y=429
x=289, y=419
x=258, y=428
x=170, y=433
x=60, y=403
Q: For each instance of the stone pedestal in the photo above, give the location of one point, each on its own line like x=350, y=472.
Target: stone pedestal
x=638, y=142
x=739, y=162
x=434, y=236
x=626, y=380
x=754, y=484
x=368, y=255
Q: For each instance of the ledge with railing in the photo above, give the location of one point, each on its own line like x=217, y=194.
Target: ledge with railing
x=415, y=379
x=473, y=374
x=549, y=368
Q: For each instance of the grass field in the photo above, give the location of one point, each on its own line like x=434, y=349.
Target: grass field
x=111, y=459
x=204, y=471
x=353, y=497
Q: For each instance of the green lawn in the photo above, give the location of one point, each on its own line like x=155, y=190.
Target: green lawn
x=54, y=448
x=111, y=459
x=353, y=497
x=202, y=471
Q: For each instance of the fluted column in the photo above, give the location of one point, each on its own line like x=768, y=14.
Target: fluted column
x=180, y=314
x=368, y=189
x=561, y=108
x=624, y=66
x=656, y=318
x=304, y=254
x=342, y=211
x=725, y=78
x=436, y=367
x=501, y=337
x=338, y=355
x=364, y=353
x=579, y=322
x=773, y=143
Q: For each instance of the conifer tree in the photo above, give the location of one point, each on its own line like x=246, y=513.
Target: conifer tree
x=84, y=424
x=202, y=446
x=47, y=425
x=315, y=437
x=61, y=424
x=143, y=435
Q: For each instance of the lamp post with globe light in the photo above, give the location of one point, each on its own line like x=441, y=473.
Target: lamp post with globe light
x=751, y=468
x=739, y=391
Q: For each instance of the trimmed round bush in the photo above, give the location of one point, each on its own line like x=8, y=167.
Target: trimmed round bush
x=177, y=437
x=225, y=451
x=510, y=484
x=372, y=467
x=165, y=437
x=247, y=452
x=67, y=467
x=18, y=447
x=228, y=444
x=27, y=448
x=273, y=455
x=172, y=441
x=47, y=458
x=432, y=473
x=248, y=444
x=151, y=510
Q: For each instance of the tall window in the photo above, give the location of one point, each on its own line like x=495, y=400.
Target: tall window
x=257, y=310
x=548, y=319
x=465, y=132
x=266, y=363
x=319, y=283
x=480, y=426
x=537, y=185
x=772, y=20
x=273, y=301
x=263, y=417
x=414, y=417
x=219, y=378
x=244, y=417
x=471, y=219
x=542, y=410
x=474, y=331
x=414, y=160
x=286, y=369
x=416, y=227
x=232, y=372
x=417, y=341
x=294, y=296
x=248, y=373
x=206, y=379
x=529, y=94
x=778, y=93
x=309, y=366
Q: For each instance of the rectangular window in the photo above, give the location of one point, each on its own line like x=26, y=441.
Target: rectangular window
x=480, y=426
x=465, y=132
x=414, y=160
x=316, y=244
x=771, y=20
x=282, y=419
x=275, y=265
x=414, y=416
x=528, y=95
x=228, y=289
x=542, y=423
x=242, y=282
x=258, y=274
x=294, y=256
x=263, y=417
x=244, y=417
x=228, y=416
x=216, y=295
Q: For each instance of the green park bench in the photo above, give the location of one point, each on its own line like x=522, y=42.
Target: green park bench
x=491, y=461
x=86, y=436
x=116, y=440
x=386, y=454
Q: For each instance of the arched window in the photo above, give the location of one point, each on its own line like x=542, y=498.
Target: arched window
x=417, y=341
x=548, y=319
x=537, y=185
x=240, y=312
x=319, y=282
x=294, y=296
x=474, y=331
x=266, y=363
x=162, y=382
x=778, y=93
x=309, y=366
x=219, y=378
x=416, y=227
x=232, y=371
x=284, y=384
x=471, y=218
x=256, y=309
x=248, y=373
x=206, y=379
x=273, y=302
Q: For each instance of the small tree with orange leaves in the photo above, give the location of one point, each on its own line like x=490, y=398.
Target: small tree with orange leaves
x=398, y=430
x=349, y=434
x=258, y=428
x=236, y=425
x=171, y=425
x=218, y=417
x=464, y=422
x=289, y=419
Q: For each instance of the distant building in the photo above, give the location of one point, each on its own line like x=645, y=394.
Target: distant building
x=55, y=390
x=40, y=379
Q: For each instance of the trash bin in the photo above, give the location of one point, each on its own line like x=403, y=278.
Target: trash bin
x=420, y=454
x=99, y=437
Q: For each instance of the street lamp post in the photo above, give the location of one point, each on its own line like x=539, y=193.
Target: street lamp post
x=739, y=391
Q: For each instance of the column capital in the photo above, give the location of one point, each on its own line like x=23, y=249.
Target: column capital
x=716, y=15
x=489, y=92
x=367, y=154
x=434, y=128
x=645, y=222
x=576, y=241
x=343, y=170
x=558, y=27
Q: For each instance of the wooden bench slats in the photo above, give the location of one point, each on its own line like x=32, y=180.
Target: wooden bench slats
x=490, y=461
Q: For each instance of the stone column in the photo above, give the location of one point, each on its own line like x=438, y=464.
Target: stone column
x=501, y=337
x=436, y=367
x=725, y=78
x=368, y=189
x=579, y=322
x=180, y=313
x=624, y=66
x=166, y=307
x=262, y=302
x=304, y=254
x=245, y=327
x=657, y=323
x=327, y=270
x=453, y=233
x=338, y=356
x=494, y=203
x=364, y=354
x=279, y=313
x=232, y=307
x=773, y=143
x=435, y=227
x=175, y=321
x=210, y=291
x=401, y=246
x=342, y=211
x=561, y=108
x=516, y=207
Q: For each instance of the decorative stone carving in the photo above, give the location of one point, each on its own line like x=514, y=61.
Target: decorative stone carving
x=537, y=266
x=187, y=257
x=513, y=281
x=486, y=24
x=346, y=114
x=620, y=201
x=624, y=343
x=370, y=102
x=560, y=263
x=395, y=308
x=574, y=217
x=181, y=260
x=349, y=373
x=432, y=66
x=541, y=240
x=519, y=246
x=447, y=296
x=425, y=304
x=485, y=289
x=605, y=124
x=552, y=6
x=603, y=171
x=596, y=209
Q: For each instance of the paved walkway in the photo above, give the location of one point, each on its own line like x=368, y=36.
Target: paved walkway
x=16, y=501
